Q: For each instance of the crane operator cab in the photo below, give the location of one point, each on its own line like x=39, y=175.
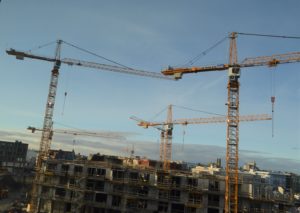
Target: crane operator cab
x=234, y=73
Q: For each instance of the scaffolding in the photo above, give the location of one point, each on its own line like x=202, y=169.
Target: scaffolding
x=106, y=186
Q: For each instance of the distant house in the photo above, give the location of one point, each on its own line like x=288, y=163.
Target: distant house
x=13, y=156
x=13, y=151
x=62, y=155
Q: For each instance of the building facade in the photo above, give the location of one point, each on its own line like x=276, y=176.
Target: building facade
x=115, y=185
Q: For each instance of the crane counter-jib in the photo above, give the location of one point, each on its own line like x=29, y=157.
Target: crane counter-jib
x=174, y=71
x=21, y=55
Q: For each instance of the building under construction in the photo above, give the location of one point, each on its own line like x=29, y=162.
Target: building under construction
x=122, y=189
x=118, y=184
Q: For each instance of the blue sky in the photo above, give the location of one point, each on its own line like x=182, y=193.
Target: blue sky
x=150, y=35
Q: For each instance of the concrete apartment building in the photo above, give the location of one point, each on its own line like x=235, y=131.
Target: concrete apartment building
x=13, y=156
x=13, y=151
x=114, y=185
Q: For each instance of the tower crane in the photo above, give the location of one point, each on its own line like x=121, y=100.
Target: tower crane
x=76, y=133
x=166, y=129
x=232, y=138
x=45, y=142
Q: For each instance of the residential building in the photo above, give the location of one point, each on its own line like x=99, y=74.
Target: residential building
x=115, y=184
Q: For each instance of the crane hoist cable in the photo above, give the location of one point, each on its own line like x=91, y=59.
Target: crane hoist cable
x=46, y=139
x=66, y=93
x=81, y=49
x=183, y=136
x=273, y=86
x=273, y=83
x=64, y=103
x=272, y=71
x=232, y=139
x=184, y=126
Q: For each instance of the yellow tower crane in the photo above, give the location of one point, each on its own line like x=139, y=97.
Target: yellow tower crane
x=166, y=128
x=79, y=133
x=45, y=142
x=232, y=139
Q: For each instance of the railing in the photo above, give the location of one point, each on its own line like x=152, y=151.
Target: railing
x=194, y=203
x=137, y=181
x=95, y=175
x=117, y=189
x=139, y=195
x=201, y=187
x=164, y=183
x=214, y=189
x=164, y=196
x=259, y=210
x=175, y=198
x=213, y=203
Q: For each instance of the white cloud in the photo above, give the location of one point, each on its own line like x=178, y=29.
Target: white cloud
x=188, y=152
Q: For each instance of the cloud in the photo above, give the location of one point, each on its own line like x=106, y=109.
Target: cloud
x=62, y=140
x=194, y=153
x=279, y=164
x=13, y=135
x=249, y=152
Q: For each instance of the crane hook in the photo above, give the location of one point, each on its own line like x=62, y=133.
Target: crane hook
x=273, y=103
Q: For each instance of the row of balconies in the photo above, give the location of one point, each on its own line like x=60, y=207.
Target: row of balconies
x=139, y=201
x=136, y=177
x=104, y=186
x=143, y=179
x=145, y=192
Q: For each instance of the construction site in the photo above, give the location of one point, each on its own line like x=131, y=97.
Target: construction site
x=114, y=184
x=70, y=183
x=56, y=179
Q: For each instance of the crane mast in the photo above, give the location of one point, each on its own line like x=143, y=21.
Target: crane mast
x=232, y=138
x=47, y=126
x=45, y=142
x=167, y=140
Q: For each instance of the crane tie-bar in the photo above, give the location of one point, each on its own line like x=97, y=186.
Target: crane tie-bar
x=94, y=54
x=269, y=35
x=197, y=57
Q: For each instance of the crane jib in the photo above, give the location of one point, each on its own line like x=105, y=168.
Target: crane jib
x=270, y=61
x=21, y=55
